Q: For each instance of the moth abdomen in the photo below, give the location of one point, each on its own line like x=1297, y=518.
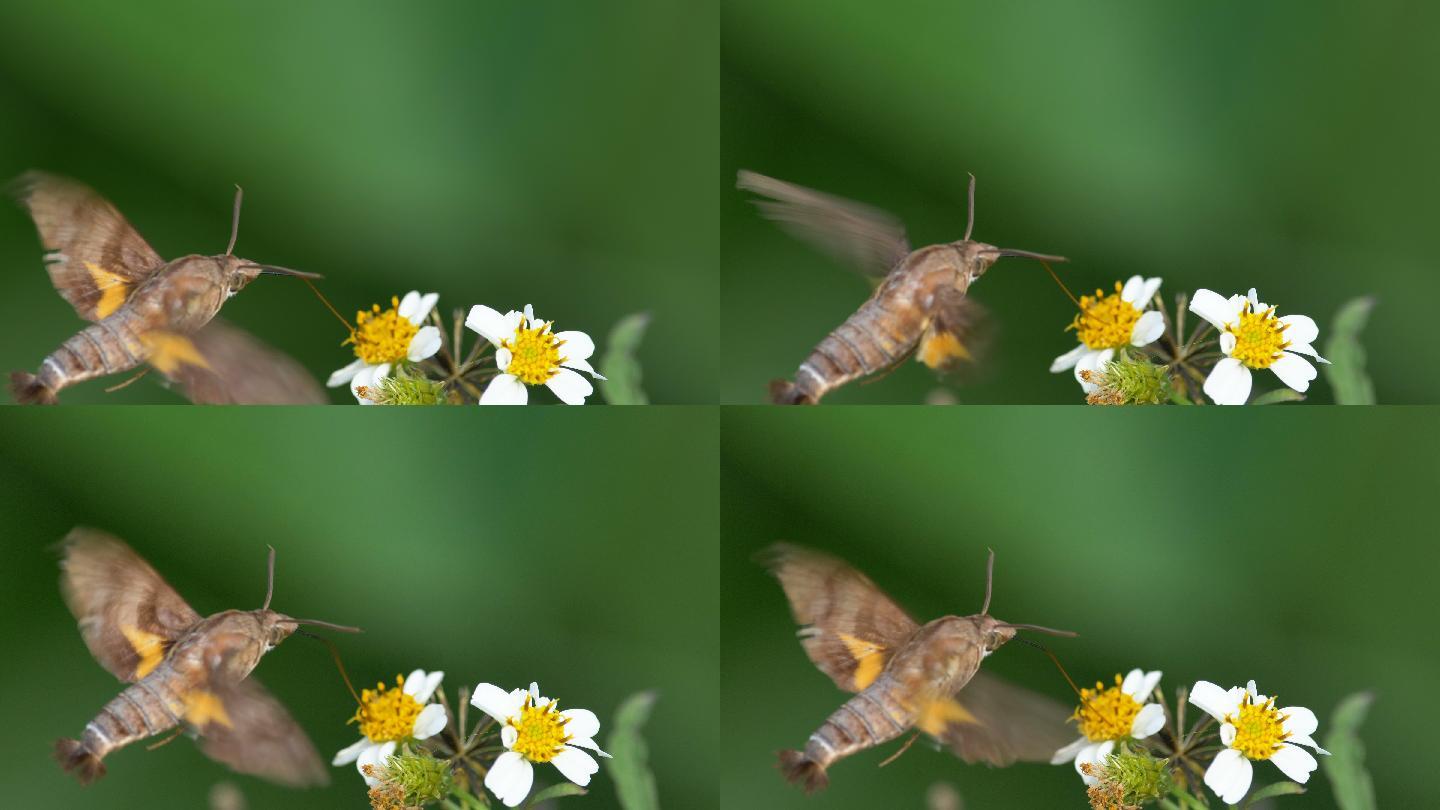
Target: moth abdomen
x=146, y=708
x=880, y=335
x=75, y=758
x=866, y=720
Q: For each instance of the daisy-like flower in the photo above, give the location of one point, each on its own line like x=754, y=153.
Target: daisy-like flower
x=534, y=730
x=1106, y=324
x=1253, y=338
x=389, y=717
x=1253, y=729
x=528, y=353
x=1108, y=715
x=383, y=338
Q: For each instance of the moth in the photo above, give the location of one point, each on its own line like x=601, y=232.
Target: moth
x=185, y=672
x=905, y=675
x=920, y=305
x=144, y=309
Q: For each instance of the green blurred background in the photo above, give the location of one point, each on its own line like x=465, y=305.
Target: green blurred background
x=1294, y=549
x=499, y=153
x=1286, y=146
x=579, y=553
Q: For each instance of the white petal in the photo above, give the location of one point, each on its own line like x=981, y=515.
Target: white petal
x=1227, y=342
x=1093, y=362
x=490, y=324
x=1069, y=752
x=1229, y=776
x=421, y=685
x=576, y=765
x=1294, y=370
x=529, y=313
x=1093, y=755
x=495, y=701
x=1215, y=701
x=349, y=755
x=1255, y=305
x=503, y=358
x=429, y=722
x=1133, y=680
x=1215, y=309
x=1306, y=348
x=1227, y=733
x=1150, y=719
x=510, y=778
x=1152, y=286
x=576, y=346
x=1130, y=293
x=1299, y=720
x=505, y=390
x=1148, y=329
x=374, y=756
x=425, y=343
x=1295, y=762
x=508, y=736
x=368, y=378
x=1152, y=679
x=1068, y=359
x=1306, y=739
x=344, y=375
x=415, y=307
x=409, y=302
x=587, y=742
x=571, y=388
x=581, y=365
x=1300, y=328
x=581, y=723
x=1229, y=382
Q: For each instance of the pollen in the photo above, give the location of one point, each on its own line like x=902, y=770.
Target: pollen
x=539, y=731
x=534, y=353
x=1259, y=728
x=1105, y=322
x=1259, y=337
x=387, y=715
x=382, y=336
x=1106, y=713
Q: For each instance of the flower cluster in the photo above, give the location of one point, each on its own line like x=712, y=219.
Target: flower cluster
x=404, y=356
x=1130, y=351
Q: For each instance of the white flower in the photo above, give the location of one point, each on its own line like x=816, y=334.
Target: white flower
x=1251, y=338
x=1106, y=324
x=534, y=730
x=1108, y=715
x=388, y=717
x=1253, y=729
x=383, y=338
x=528, y=353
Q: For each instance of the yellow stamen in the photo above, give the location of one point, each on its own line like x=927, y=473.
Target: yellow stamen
x=387, y=715
x=1259, y=337
x=534, y=352
x=1105, y=323
x=539, y=731
x=1259, y=728
x=382, y=336
x=1106, y=713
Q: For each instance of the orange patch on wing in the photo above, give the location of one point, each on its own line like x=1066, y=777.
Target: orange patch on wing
x=940, y=713
x=940, y=348
x=112, y=287
x=203, y=708
x=869, y=659
x=168, y=351
x=150, y=648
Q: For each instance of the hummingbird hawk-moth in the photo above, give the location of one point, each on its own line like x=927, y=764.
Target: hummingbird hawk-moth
x=185, y=672
x=920, y=305
x=144, y=309
x=906, y=675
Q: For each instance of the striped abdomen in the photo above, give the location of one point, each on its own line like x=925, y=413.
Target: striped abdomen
x=881, y=334
x=868, y=719
x=146, y=708
x=105, y=347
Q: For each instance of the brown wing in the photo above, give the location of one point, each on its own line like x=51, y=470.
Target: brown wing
x=251, y=731
x=128, y=615
x=994, y=721
x=230, y=366
x=95, y=257
x=958, y=334
x=850, y=625
x=868, y=238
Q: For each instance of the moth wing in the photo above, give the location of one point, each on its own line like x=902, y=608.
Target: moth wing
x=958, y=335
x=95, y=257
x=994, y=721
x=251, y=731
x=128, y=614
x=223, y=364
x=849, y=626
x=867, y=238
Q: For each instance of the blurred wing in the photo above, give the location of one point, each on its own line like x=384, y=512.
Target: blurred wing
x=95, y=257
x=993, y=721
x=868, y=238
x=128, y=615
x=958, y=334
x=850, y=625
x=248, y=729
x=223, y=364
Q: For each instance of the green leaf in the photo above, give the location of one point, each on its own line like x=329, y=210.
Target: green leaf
x=629, y=767
x=620, y=366
x=1278, y=396
x=1346, y=371
x=1277, y=789
x=556, y=792
x=1346, y=764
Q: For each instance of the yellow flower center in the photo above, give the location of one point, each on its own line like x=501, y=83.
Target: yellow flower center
x=1259, y=337
x=1259, y=729
x=539, y=731
x=387, y=715
x=382, y=336
x=1105, y=323
x=534, y=353
x=1106, y=714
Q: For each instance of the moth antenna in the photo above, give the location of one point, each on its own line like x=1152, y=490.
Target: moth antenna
x=340, y=665
x=1039, y=629
x=269, y=580
x=339, y=628
x=970, y=210
x=235, y=220
x=989, y=582
x=1037, y=645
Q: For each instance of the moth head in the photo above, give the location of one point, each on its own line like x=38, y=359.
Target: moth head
x=993, y=633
